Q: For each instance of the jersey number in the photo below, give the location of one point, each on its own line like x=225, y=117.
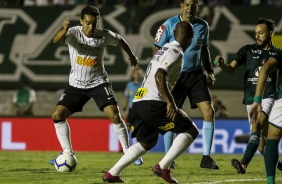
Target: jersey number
x=109, y=91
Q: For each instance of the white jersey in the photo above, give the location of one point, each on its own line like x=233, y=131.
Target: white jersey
x=170, y=58
x=87, y=56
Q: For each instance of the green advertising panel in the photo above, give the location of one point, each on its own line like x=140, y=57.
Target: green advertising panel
x=27, y=50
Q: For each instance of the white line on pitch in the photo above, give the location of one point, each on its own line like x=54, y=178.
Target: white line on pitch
x=229, y=181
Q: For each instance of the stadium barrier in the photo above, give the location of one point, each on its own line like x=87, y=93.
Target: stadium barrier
x=89, y=134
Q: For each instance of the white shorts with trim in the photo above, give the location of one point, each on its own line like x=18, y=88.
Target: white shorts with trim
x=266, y=104
x=275, y=116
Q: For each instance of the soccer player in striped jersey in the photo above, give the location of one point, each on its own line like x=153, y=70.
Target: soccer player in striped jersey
x=271, y=152
x=192, y=81
x=253, y=57
x=88, y=78
x=154, y=109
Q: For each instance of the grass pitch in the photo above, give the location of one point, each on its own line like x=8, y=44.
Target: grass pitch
x=32, y=167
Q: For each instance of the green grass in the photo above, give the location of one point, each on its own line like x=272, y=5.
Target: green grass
x=32, y=167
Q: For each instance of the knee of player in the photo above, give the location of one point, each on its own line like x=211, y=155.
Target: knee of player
x=193, y=131
x=115, y=118
x=57, y=116
x=149, y=146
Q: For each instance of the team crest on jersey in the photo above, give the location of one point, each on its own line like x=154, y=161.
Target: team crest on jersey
x=159, y=33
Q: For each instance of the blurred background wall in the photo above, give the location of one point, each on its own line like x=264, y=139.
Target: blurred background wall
x=26, y=49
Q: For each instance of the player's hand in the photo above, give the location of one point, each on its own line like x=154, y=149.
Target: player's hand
x=171, y=111
x=211, y=79
x=133, y=60
x=66, y=24
x=255, y=111
x=218, y=60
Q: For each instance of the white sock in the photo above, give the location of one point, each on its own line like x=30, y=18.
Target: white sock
x=133, y=153
x=179, y=145
x=121, y=131
x=63, y=134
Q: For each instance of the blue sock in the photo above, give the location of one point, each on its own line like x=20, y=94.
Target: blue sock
x=168, y=139
x=208, y=130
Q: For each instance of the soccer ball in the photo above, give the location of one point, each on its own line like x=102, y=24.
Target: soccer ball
x=65, y=162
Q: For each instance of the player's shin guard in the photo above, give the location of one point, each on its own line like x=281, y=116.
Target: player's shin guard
x=134, y=152
x=63, y=134
x=168, y=139
x=251, y=148
x=122, y=134
x=270, y=160
x=179, y=145
x=208, y=131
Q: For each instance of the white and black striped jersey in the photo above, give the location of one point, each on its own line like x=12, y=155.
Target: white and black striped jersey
x=87, y=56
x=170, y=58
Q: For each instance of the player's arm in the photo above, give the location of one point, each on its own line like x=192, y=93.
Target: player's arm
x=227, y=68
x=206, y=60
x=155, y=50
x=61, y=34
x=126, y=98
x=160, y=78
x=125, y=46
x=270, y=66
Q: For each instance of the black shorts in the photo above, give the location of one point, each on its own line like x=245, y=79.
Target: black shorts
x=129, y=117
x=75, y=98
x=191, y=84
x=149, y=119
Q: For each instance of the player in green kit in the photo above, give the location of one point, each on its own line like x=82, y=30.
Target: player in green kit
x=275, y=117
x=253, y=57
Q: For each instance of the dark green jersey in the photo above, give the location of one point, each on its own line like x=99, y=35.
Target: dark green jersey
x=278, y=57
x=253, y=57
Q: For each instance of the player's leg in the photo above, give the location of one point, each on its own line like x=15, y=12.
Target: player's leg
x=179, y=94
x=271, y=153
x=252, y=146
x=255, y=137
x=207, y=111
x=274, y=135
x=129, y=119
x=187, y=132
x=112, y=112
x=59, y=117
x=199, y=96
x=72, y=100
x=147, y=137
x=105, y=99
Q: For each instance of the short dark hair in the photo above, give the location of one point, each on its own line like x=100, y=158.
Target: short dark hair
x=268, y=22
x=89, y=10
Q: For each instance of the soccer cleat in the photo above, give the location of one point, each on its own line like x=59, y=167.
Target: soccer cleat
x=52, y=162
x=239, y=166
x=138, y=162
x=279, y=165
x=164, y=174
x=108, y=178
x=208, y=162
x=173, y=165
